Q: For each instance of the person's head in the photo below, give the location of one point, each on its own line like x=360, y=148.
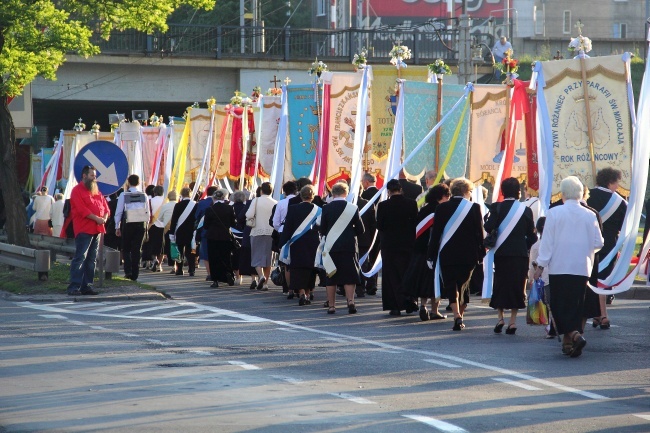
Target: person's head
x=149, y=190
x=238, y=197
x=58, y=196
x=510, y=188
x=609, y=178
x=89, y=178
x=289, y=188
x=303, y=181
x=267, y=188
x=368, y=180
x=210, y=190
x=449, y=181
x=430, y=177
x=340, y=189
x=44, y=190
x=134, y=180
x=258, y=191
x=503, y=40
x=191, y=185
x=185, y=192
x=438, y=194
x=393, y=187
x=307, y=193
x=171, y=196
x=461, y=187
x=220, y=194
x=158, y=191
x=539, y=225
x=571, y=188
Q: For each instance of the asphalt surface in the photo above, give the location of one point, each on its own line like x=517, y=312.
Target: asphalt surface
x=235, y=360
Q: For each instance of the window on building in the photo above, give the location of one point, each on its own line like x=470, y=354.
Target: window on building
x=320, y=8
x=623, y=31
x=539, y=21
x=566, y=24
x=619, y=30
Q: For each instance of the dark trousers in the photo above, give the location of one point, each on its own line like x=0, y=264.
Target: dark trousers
x=186, y=253
x=220, y=259
x=567, y=301
x=369, y=283
x=132, y=238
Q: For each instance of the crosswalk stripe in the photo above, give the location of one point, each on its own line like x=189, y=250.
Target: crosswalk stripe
x=144, y=310
x=114, y=307
x=176, y=313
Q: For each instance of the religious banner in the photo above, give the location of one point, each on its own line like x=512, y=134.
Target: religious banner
x=303, y=131
x=590, y=125
x=199, y=131
x=420, y=108
x=150, y=144
x=221, y=142
x=270, y=117
x=487, y=138
x=344, y=91
x=383, y=104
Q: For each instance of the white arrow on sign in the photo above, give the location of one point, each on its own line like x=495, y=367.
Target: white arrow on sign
x=107, y=175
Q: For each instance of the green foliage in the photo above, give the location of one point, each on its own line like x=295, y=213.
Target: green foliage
x=35, y=35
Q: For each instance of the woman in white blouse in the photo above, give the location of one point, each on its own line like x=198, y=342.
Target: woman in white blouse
x=261, y=241
x=43, y=208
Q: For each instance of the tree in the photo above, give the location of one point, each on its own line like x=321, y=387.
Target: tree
x=35, y=36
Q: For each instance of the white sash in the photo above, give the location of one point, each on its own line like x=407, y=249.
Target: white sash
x=450, y=228
x=611, y=206
x=184, y=215
x=304, y=227
x=505, y=228
x=323, y=259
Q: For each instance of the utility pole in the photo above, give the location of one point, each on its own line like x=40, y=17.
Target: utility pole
x=464, y=50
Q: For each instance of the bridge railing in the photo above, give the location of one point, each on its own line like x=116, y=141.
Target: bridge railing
x=231, y=42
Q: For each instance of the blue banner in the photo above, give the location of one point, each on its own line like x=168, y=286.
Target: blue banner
x=303, y=128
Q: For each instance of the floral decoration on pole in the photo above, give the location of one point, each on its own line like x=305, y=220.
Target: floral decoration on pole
x=155, y=120
x=240, y=99
x=274, y=91
x=581, y=44
x=398, y=54
x=186, y=115
x=79, y=126
x=360, y=59
x=318, y=67
x=257, y=92
x=509, y=66
x=95, y=128
x=211, y=103
x=439, y=68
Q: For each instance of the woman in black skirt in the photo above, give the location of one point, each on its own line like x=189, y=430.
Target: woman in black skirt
x=344, y=251
x=217, y=222
x=418, y=277
x=302, y=249
x=511, y=257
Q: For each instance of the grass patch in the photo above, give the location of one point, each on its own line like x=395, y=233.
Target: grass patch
x=25, y=282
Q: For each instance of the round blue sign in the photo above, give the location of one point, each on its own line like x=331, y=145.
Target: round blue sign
x=109, y=161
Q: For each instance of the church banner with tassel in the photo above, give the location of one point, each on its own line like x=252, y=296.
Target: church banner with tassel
x=270, y=117
x=304, y=122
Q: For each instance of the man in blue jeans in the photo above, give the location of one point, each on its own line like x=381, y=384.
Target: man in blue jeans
x=89, y=212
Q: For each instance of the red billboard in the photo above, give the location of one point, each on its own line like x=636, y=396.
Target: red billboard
x=414, y=10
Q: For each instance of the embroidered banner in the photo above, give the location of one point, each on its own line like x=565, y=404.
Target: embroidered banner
x=344, y=92
x=200, y=129
x=487, y=138
x=271, y=111
x=221, y=140
x=303, y=131
x=608, y=114
x=420, y=108
x=149, y=147
x=383, y=103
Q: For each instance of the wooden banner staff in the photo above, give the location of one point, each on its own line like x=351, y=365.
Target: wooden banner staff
x=439, y=116
x=583, y=69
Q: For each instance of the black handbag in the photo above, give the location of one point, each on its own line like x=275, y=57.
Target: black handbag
x=234, y=243
x=277, y=276
x=490, y=240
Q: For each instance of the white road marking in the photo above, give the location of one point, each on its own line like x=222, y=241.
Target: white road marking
x=128, y=334
x=75, y=322
x=518, y=384
x=161, y=343
x=287, y=330
x=643, y=416
x=52, y=316
x=179, y=312
x=336, y=340
x=292, y=380
x=112, y=308
x=443, y=363
x=144, y=310
x=352, y=398
x=100, y=328
x=201, y=352
x=589, y=322
x=436, y=423
x=244, y=365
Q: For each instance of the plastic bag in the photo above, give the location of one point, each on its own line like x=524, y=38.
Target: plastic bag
x=537, y=313
x=174, y=253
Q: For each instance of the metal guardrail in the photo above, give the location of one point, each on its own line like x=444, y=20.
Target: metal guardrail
x=228, y=42
x=26, y=258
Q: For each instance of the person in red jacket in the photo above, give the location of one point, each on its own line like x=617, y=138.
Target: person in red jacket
x=89, y=212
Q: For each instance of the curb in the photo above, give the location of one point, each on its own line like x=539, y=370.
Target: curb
x=640, y=292
x=154, y=296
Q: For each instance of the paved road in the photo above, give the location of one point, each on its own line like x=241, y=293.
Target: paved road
x=232, y=360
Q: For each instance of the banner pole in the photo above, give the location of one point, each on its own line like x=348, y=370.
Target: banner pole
x=590, y=133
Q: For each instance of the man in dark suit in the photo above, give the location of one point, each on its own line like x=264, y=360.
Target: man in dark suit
x=369, y=190
x=183, y=231
x=396, y=222
x=460, y=255
x=410, y=189
x=369, y=219
x=368, y=183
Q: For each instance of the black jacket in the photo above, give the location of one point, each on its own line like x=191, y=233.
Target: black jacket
x=522, y=237
x=186, y=230
x=369, y=219
x=218, y=220
x=410, y=189
x=466, y=244
x=303, y=250
x=347, y=242
x=396, y=222
x=611, y=228
x=369, y=193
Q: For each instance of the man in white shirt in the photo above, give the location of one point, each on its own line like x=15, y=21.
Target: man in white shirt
x=132, y=218
x=571, y=238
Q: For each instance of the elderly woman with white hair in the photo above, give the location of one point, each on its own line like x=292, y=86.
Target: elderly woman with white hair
x=571, y=238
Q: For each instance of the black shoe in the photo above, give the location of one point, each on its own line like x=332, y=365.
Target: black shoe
x=214, y=284
x=448, y=308
x=411, y=308
x=133, y=278
x=577, y=346
x=311, y=296
x=88, y=292
x=191, y=274
x=173, y=271
x=424, y=314
x=76, y=292
x=352, y=309
x=372, y=291
x=307, y=302
x=395, y=313
x=253, y=285
x=499, y=327
x=231, y=280
x=302, y=300
x=511, y=330
x=290, y=295
x=260, y=284
x=360, y=294
x=127, y=276
x=180, y=273
x=458, y=324
x=208, y=278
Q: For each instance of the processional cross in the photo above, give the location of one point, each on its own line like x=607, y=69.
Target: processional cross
x=275, y=81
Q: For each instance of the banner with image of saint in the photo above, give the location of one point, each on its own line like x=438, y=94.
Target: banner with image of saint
x=608, y=114
x=383, y=103
x=420, y=108
x=302, y=144
x=487, y=137
x=270, y=117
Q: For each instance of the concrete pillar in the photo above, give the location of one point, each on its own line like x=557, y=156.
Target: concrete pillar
x=464, y=50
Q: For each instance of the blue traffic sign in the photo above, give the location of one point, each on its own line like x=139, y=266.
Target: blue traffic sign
x=109, y=161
